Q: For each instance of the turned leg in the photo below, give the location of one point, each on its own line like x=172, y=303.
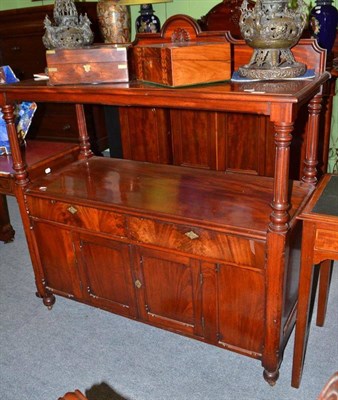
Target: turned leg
x=49, y=300
x=303, y=308
x=323, y=294
x=271, y=377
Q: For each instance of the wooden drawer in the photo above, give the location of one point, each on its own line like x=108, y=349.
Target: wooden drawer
x=78, y=216
x=326, y=240
x=198, y=241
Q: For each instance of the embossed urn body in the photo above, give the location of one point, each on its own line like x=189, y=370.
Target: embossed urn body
x=114, y=21
x=271, y=28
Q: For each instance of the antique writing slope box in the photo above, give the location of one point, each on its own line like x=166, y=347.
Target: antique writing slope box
x=92, y=64
x=180, y=64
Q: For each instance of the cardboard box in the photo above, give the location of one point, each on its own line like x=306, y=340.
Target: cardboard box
x=181, y=64
x=93, y=64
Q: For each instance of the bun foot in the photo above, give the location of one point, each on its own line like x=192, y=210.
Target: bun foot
x=271, y=377
x=49, y=301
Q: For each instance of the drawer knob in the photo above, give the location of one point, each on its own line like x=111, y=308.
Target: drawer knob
x=191, y=235
x=138, y=284
x=72, y=210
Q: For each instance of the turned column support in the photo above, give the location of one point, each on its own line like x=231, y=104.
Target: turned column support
x=19, y=166
x=85, y=151
x=311, y=155
x=279, y=218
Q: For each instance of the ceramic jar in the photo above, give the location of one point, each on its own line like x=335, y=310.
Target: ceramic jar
x=323, y=23
x=114, y=21
x=147, y=22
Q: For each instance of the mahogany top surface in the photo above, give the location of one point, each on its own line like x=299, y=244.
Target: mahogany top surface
x=323, y=204
x=35, y=152
x=179, y=194
x=255, y=97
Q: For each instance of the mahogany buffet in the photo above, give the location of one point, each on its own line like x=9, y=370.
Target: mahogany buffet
x=208, y=254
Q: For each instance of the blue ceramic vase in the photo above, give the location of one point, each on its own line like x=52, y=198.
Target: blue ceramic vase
x=323, y=23
x=147, y=22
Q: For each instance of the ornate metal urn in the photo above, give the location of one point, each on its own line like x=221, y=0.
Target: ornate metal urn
x=271, y=28
x=69, y=30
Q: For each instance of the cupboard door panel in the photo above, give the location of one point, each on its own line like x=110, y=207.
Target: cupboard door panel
x=245, y=143
x=195, y=138
x=241, y=306
x=57, y=259
x=169, y=290
x=106, y=274
x=145, y=134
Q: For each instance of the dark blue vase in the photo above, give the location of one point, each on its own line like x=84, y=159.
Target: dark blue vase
x=323, y=23
x=147, y=22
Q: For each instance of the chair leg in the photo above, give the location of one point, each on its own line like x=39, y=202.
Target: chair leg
x=323, y=293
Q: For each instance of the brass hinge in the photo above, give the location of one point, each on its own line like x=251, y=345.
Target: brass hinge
x=147, y=308
x=217, y=268
x=201, y=279
x=203, y=323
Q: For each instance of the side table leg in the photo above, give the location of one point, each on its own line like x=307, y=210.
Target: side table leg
x=6, y=230
x=323, y=294
x=304, y=292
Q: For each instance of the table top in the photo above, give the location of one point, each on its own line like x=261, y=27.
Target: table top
x=324, y=201
x=250, y=97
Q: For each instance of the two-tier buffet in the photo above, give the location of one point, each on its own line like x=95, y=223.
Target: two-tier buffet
x=213, y=255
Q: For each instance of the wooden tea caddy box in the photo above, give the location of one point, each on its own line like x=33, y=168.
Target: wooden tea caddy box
x=92, y=64
x=183, y=63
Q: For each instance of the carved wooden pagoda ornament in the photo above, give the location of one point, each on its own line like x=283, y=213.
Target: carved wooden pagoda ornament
x=271, y=28
x=69, y=29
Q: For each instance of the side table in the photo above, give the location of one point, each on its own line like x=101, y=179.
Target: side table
x=319, y=246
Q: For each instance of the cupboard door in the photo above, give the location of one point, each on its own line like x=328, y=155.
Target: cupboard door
x=106, y=274
x=169, y=290
x=241, y=308
x=57, y=259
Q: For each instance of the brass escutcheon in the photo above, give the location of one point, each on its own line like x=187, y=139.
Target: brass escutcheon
x=192, y=235
x=138, y=284
x=72, y=210
x=87, y=67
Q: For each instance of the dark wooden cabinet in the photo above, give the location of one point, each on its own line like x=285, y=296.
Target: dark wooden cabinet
x=21, y=48
x=208, y=254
